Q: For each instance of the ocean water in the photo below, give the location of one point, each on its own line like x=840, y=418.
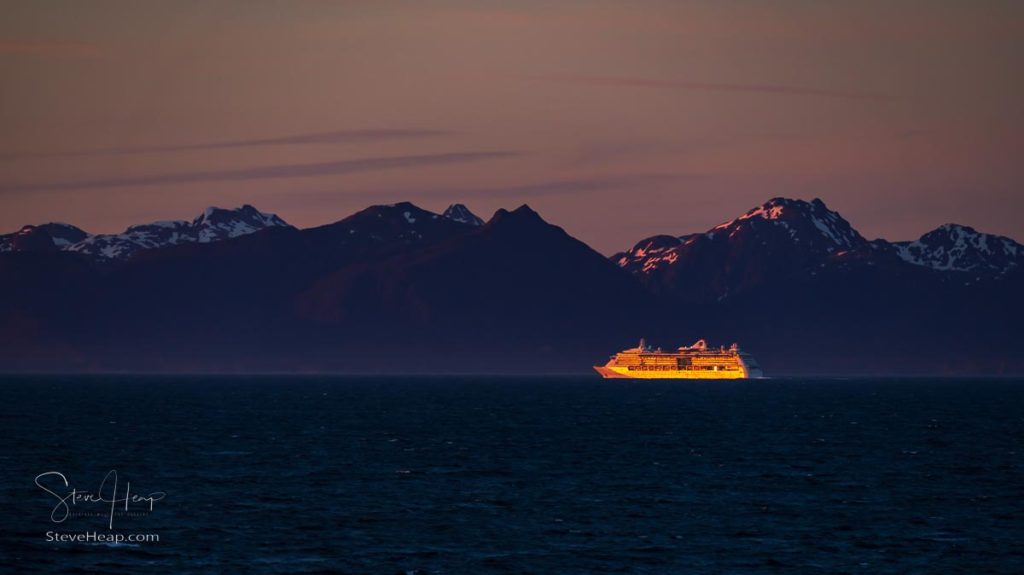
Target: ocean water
x=516, y=475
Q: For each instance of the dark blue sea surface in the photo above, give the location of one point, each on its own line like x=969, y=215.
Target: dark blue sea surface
x=518, y=475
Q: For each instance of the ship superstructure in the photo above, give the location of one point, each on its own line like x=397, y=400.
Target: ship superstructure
x=697, y=361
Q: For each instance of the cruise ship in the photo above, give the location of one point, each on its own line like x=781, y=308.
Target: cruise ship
x=697, y=361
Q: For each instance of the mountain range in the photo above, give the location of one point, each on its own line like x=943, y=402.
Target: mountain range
x=395, y=288
x=785, y=239
x=214, y=224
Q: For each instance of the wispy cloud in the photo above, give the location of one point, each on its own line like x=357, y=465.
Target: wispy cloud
x=561, y=187
x=655, y=83
x=332, y=137
x=576, y=186
x=50, y=48
x=269, y=172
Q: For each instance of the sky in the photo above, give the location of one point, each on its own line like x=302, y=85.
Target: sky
x=614, y=120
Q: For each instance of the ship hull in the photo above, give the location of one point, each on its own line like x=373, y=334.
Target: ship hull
x=614, y=372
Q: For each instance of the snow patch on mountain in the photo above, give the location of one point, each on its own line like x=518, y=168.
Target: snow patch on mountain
x=461, y=213
x=773, y=210
x=390, y=224
x=651, y=253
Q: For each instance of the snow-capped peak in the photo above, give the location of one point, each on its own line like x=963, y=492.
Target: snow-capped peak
x=214, y=224
x=811, y=223
x=802, y=230
x=461, y=213
x=49, y=236
x=953, y=247
x=218, y=223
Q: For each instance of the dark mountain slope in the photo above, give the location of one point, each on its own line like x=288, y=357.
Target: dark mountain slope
x=766, y=244
x=46, y=301
x=518, y=294
x=870, y=319
x=45, y=237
